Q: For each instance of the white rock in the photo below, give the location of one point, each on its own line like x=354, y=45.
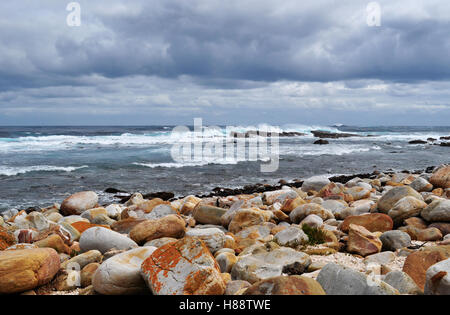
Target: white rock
x=213, y=237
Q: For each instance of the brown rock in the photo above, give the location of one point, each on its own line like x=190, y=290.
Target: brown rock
x=373, y=222
x=79, y=202
x=248, y=217
x=286, y=285
x=442, y=226
x=441, y=177
x=126, y=225
x=53, y=241
x=417, y=264
x=26, y=269
x=169, y=226
x=362, y=242
x=430, y=234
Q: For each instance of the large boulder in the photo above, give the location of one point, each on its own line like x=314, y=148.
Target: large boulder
x=26, y=269
x=374, y=222
x=185, y=267
x=392, y=196
x=79, y=202
x=441, y=177
x=437, y=211
x=286, y=285
x=121, y=274
x=438, y=278
x=264, y=264
x=338, y=280
x=168, y=226
x=103, y=239
x=405, y=208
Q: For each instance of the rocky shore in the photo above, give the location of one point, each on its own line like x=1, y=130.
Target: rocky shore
x=376, y=234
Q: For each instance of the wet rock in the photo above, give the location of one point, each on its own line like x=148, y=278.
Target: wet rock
x=183, y=267
x=321, y=142
x=103, y=239
x=393, y=240
x=168, y=226
x=79, y=202
x=286, y=285
x=120, y=274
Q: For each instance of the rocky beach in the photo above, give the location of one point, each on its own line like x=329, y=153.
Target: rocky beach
x=383, y=233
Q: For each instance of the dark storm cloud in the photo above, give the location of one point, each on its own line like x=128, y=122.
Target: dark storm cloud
x=185, y=56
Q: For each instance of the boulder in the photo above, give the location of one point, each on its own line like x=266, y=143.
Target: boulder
x=393, y=240
x=26, y=269
x=338, y=280
x=315, y=183
x=7, y=239
x=362, y=242
x=441, y=226
x=430, y=234
x=126, y=225
x=291, y=237
x=263, y=264
x=168, y=226
x=103, y=240
x=374, y=222
x=438, y=278
x=437, y=211
x=120, y=274
x=420, y=184
x=402, y=282
x=206, y=214
x=417, y=264
x=185, y=267
x=301, y=212
x=392, y=196
x=53, y=241
x=286, y=285
x=79, y=202
x=441, y=177
x=213, y=237
x=405, y=208
x=244, y=218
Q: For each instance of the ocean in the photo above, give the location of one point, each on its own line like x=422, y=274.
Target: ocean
x=43, y=165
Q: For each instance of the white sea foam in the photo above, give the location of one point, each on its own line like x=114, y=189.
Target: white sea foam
x=13, y=170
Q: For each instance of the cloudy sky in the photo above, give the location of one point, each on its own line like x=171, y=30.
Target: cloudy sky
x=236, y=61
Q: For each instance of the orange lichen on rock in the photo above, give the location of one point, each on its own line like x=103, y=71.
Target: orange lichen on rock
x=82, y=226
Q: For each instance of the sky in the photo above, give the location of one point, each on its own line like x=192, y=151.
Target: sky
x=158, y=62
